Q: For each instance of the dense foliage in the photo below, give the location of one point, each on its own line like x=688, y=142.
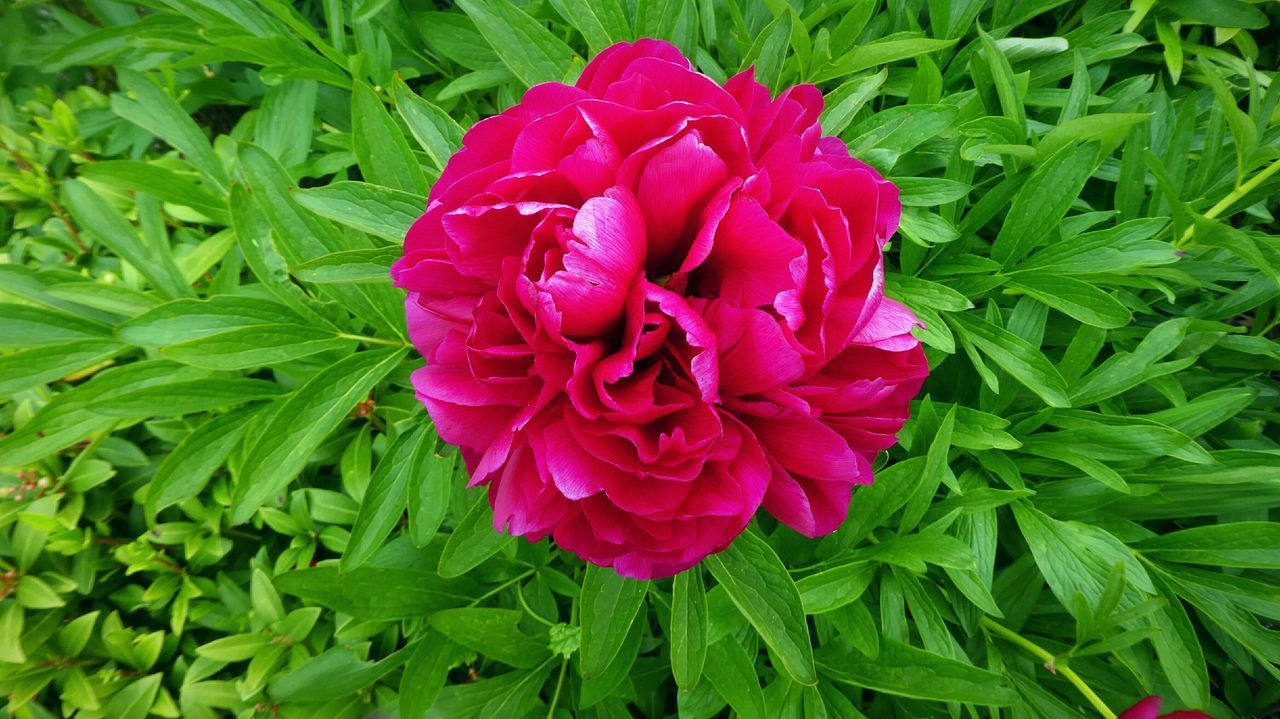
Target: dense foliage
x=220, y=496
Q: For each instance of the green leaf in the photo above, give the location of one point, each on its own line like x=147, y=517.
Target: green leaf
x=1042, y=201
x=492, y=632
x=760, y=587
x=107, y=224
x=285, y=119
x=380, y=211
x=1125, y=247
x=733, y=675
x=255, y=346
x=833, y=588
x=135, y=700
x=844, y=102
x=519, y=698
x=1075, y=298
x=11, y=622
x=26, y=326
x=880, y=52
x=913, y=551
x=191, y=319
x=429, y=498
x=1222, y=13
x=384, y=500
x=37, y=365
x=69, y=417
x=158, y=181
x=609, y=605
x=436, y=132
x=369, y=265
x=188, y=397
x=383, y=153
x=229, y=332
x=1236, y=544
x=1015, y=356
x=769, y=51
x=474, y=539
x=234, y=648
x=333, y=674
x=929, y=191
x=401, y=593
x=906, y=671
x=524, y=44
x=152, y=109
x=598, y=688
x=299, y=422
x=1076, y=557
x=426, y=672
x=1178, y=649
x=688, y=628
x=601, y=22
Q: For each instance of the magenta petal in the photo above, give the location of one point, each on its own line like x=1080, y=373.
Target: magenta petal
x=607, y=67
x=674, y=186
x=753, y=262
x=603, y=261
x=754, y=354
x=651, y=304
x=1148, y=708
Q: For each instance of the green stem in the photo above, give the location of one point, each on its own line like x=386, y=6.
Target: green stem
x=1049, y=659
x=500, y=587
x=555, y=698
x=372, y=340
x=524, y=603
x=1232, y=197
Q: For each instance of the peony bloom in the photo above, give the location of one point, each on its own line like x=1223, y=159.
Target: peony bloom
x=650, y=304
x=1149, y=708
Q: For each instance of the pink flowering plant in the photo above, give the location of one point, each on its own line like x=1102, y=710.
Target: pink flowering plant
x=651, y=304
x=639, y=359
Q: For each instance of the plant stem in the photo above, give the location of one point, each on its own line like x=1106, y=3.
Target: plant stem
x=555, y=698
x=524, y=603
x=1249, y=186
x=371, y=340
x=500, y=587
x=1049, y=659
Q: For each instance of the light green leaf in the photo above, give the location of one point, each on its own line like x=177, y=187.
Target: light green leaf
x=474, y=539
x=152, y=109
x=299, y=422
x=1015, y=356
x=107, y=224
x=383, y=153
x=688, y=628
x=733, y=674
x=524, y=44
x=1043, y=200
x=385, y=498
x=438, y=133
x=135, y=700
x=608, y=606
x=1235, y=544
x=759, y=585
x=1076, y=298
x=371, y=265
x=492, y=632
x=906, y=671
x=601, y=22
x=380, y=211
x=37, y=365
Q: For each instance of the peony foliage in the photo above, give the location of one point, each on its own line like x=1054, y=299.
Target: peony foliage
x=222, y=495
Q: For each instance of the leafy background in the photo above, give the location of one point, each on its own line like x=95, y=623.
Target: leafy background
x=221, y=498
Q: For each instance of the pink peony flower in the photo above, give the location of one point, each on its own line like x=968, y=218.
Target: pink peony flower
x=650, y=304
x=1149, y=708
